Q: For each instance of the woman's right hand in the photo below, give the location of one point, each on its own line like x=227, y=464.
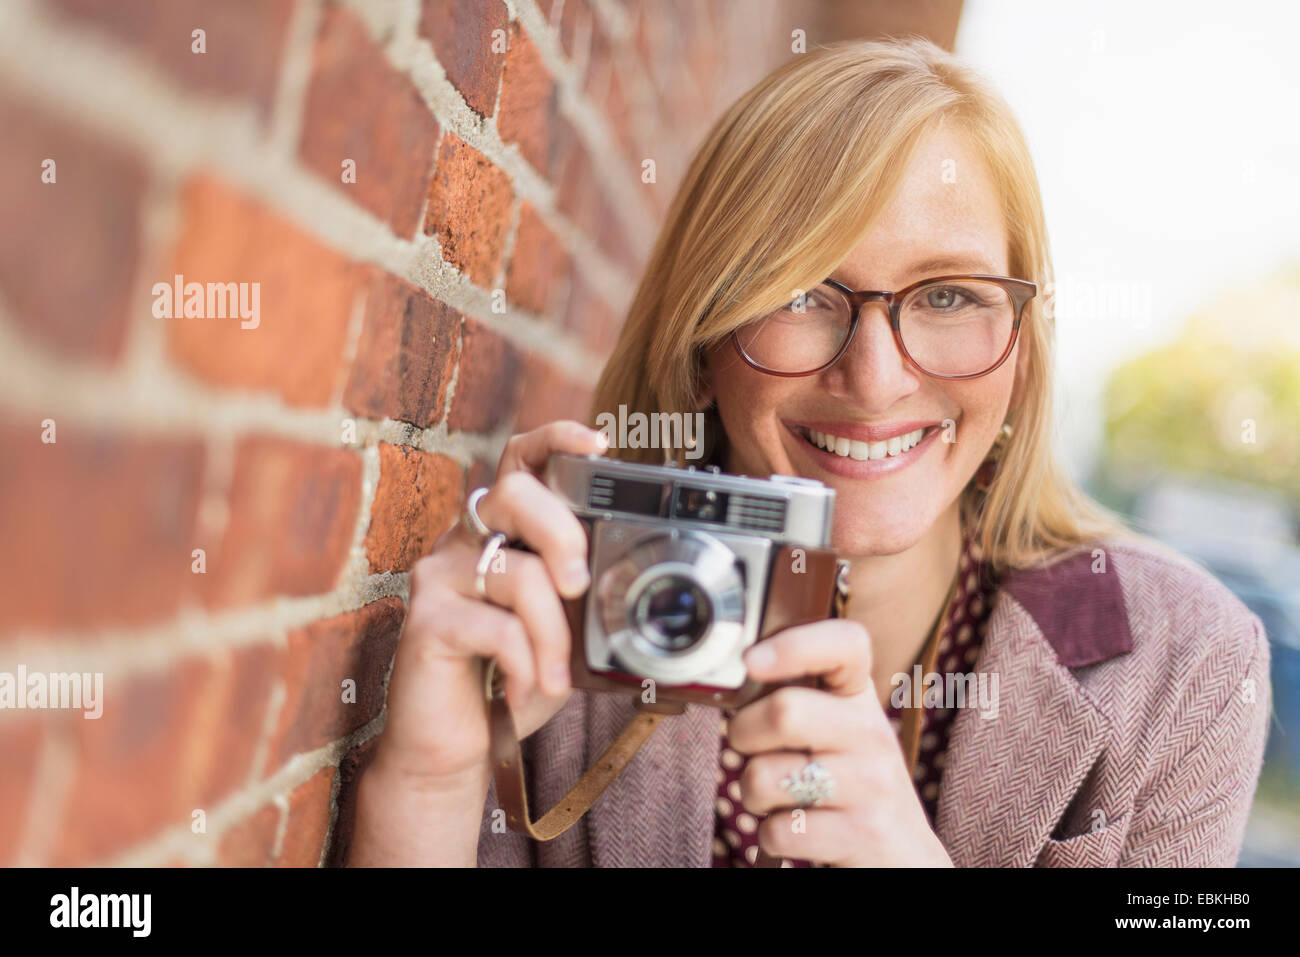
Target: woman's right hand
x=436, y=735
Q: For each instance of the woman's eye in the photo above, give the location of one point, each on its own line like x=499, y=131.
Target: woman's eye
x=943, y=297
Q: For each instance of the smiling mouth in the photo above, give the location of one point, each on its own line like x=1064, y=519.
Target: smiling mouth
x=865, y=451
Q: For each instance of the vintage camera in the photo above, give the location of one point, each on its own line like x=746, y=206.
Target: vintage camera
x=688, y=569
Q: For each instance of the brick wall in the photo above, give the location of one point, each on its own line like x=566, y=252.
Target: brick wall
x=221, y=520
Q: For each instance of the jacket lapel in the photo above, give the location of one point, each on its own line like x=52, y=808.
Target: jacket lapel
x=1008, y=778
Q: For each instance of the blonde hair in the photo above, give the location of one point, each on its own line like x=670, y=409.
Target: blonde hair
x=786, y=184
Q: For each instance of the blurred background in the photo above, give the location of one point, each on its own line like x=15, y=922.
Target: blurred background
x=445, y=205
x=1170, y=182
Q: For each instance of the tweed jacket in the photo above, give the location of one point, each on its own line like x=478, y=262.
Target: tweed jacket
x=1133, y=708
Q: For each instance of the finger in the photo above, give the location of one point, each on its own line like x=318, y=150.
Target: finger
x=803, y=719
x=820, y=835
x=521, y=583
x=461, y=628
x=837, y=649
x=529, y=451
x=762, y=788
x=520, y=506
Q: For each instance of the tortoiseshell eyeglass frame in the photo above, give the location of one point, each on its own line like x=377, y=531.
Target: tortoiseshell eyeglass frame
x=1019, y=290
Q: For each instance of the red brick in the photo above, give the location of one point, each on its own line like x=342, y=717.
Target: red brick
x=469, y=210
x=309, y=820
x=488, y=384
x=229, y=716
x=306, y=294
x=293, y=507
x=621, y=120
x=461, y=34
x=539, y=267
x=360, y=108
x=20, y=752
x=250, y=842
x=589, y=318
x=549, y=395
x=418, y=498
x=642, y=16
x=69, y=250
x=245, y=40
x=612, y=239
x=358, y=645
x=562, y=142
x=166, y=745
x=405, y=358
x=575, y=23
x=98, y=528
x=577, y=190
x=600, y=65
x=528, y=100
x=705, y=71
x=351, y=768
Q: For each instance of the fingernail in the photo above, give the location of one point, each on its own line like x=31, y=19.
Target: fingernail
x=576, y=576
x=602, y=441
x=760, y=658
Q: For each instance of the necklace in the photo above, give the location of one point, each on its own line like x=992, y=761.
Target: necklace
x=911, y=731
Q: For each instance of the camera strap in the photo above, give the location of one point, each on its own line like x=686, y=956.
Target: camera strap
x=508, y=767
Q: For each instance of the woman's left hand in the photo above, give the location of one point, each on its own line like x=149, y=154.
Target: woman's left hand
x=874, y=818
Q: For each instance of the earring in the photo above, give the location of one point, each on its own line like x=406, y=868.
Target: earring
x=988, y=469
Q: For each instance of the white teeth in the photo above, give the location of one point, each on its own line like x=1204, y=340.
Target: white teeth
x=862, y=451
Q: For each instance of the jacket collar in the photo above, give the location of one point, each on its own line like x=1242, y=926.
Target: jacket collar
x=1077, y=604
x=1008, y=779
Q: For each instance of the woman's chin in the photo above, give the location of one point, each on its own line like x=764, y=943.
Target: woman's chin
x=887, y=537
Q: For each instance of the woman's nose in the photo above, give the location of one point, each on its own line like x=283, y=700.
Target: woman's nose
x=872, y=370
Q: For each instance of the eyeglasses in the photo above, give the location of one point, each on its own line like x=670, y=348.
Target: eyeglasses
x=949, y=327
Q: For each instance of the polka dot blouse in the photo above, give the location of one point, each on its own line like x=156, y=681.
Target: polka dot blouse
x=735, y=841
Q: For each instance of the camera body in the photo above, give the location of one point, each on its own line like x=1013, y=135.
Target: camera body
x=689, y=568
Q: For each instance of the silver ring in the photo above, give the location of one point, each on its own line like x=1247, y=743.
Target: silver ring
x=485, y=562
x=812, y=786
x=472, y=522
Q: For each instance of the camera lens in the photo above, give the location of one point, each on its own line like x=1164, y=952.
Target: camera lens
x=672, y=613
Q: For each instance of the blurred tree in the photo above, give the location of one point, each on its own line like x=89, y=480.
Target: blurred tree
x=1221, y=400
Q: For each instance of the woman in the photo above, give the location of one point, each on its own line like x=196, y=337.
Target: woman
x=1124, y=717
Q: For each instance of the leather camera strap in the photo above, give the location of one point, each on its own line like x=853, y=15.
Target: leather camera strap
x=508, y=767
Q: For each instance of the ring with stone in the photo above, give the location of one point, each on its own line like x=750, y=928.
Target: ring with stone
x=812, y=786
x=490, y=550
x=473, y=524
